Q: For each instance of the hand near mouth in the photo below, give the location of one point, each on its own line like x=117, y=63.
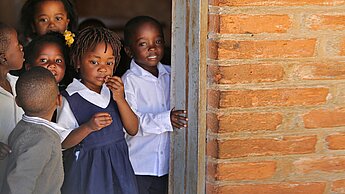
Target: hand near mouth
x=115, y=84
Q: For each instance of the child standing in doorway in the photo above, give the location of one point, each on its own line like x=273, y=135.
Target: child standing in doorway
x=147, y=90
x=39, y=17
x=11, y=58
x=95, y=110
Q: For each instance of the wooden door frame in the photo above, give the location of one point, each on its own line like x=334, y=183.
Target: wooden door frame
x=189, y=83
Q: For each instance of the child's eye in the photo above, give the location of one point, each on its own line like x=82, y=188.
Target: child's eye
x=94, y=62
x=142, y=44
x=43, y=20
x=159, y=42
x=59, y=18
x=58, y=61
x=110, y=63
x=43, y=60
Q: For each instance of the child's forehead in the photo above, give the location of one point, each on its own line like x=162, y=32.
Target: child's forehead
x=100, y=48
x=143, y=26
x=50, y=6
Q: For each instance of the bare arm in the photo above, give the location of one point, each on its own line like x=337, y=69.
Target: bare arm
x=96, y=123
x=128, y=117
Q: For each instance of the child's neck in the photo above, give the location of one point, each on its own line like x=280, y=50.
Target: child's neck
x=4, y=83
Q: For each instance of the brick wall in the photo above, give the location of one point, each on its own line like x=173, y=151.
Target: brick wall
x=276, y=97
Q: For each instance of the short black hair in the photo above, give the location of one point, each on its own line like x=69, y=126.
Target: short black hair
x=133, y=24
x=89, y=37
x=4, y=38
x=28, y=11
x=36, y=90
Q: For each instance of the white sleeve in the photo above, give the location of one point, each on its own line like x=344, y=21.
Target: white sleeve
x=149, y=123
x=66, y=119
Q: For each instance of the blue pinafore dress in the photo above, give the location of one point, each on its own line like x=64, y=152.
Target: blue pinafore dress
x=100, y=163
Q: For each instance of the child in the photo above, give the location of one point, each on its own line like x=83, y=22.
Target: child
x=147, y=90
x=39, y=17
x=96, y=110
x=51, y=52
x=11, y=58
x=35, y=164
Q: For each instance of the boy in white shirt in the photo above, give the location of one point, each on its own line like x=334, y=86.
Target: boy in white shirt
x=147, y=90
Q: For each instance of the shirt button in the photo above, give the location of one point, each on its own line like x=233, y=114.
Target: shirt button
x=161, y=152
x=162, y=105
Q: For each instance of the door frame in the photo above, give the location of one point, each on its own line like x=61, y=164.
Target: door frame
x=188, y=91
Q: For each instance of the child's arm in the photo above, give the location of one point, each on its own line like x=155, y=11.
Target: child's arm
x=128, y=117
x=96, y=123
x=4, y=150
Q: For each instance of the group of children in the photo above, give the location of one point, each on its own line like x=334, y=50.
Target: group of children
x=85, y=131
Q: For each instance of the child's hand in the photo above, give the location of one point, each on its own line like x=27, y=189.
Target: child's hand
x=99, y=121
x=178, y=118
x=115, y=84
x=4, y=150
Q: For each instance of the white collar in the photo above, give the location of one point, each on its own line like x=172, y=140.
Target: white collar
x=40, y=121
x=136, y=69
x=102, y=100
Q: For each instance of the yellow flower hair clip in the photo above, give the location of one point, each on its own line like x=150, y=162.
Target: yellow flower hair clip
x=69, y=37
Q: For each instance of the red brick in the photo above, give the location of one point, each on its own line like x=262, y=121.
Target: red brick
x=245, y=170
x=278, y=188
x=276, y=2
x=213, y=23
x=247, y=49
x=342, y=47
x=317, y=164
x=253, y=24
x=338, y=186
x=324, y=118
x=212, y=148
x=331, y=71
x=326, y=22
x=213, y=98
x=212, y=49
x=273, y=97
x=246, y=73
x=336, y=141
x=249, y=122
x=234, y=148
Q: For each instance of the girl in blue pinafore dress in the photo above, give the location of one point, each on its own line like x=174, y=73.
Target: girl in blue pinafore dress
x=94, y=109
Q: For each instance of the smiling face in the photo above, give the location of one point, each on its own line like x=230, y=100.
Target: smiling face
x=95, y=65
x=50, y=16
x=14, y=54
x=146, y=46
x=50, y=56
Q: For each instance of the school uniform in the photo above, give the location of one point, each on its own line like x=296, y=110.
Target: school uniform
x=149, y=98
x=100, y=163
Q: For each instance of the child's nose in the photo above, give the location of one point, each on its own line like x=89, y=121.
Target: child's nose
x=51, y=65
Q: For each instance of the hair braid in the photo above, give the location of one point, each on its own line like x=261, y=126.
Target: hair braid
x=88, y=38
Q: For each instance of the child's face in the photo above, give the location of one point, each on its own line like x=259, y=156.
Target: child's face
x=96, y=65
x=50, y=16
x=147, y=45
x=14, y=54
x=50, y=56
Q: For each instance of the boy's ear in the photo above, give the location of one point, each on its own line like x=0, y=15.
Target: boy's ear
x=3, y=59
x=59, y=100
x=128, y=52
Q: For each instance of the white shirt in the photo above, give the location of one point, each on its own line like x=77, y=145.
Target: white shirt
x=65, y=116
x=149, y=98
x=10, y=115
